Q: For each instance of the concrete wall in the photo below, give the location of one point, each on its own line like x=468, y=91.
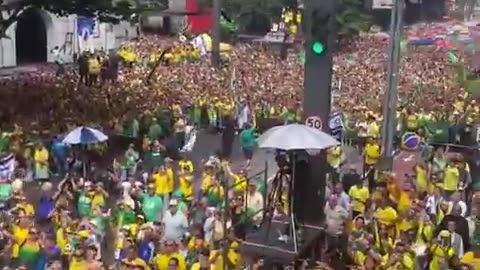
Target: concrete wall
x=177, y=23
x=108, y=37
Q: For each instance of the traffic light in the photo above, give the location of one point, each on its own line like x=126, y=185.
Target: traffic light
x=319, y=30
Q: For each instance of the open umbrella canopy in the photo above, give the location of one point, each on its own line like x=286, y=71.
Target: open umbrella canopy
x=295, y=137
x=85, y=135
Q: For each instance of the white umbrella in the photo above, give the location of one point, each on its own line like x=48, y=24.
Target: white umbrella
x=85, y=135
x=296, y=137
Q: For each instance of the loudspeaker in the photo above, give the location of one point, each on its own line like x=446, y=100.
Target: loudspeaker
x=309, y=174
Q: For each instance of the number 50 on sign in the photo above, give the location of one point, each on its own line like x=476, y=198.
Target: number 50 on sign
x=314, y=122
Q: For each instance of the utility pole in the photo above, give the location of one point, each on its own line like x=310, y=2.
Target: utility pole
x=320, y=37
x=390, y=103
x=217, y=10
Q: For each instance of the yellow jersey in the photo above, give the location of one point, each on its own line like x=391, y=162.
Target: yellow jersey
x=359, y=196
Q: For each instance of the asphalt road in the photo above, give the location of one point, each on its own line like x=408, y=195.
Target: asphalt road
x=208, y=143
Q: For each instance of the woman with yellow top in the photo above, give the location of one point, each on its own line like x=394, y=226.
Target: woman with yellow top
x=185, y=185
x=40, y=157
x=160, y=180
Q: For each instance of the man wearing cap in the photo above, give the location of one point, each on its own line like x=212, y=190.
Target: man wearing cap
x=176, y=223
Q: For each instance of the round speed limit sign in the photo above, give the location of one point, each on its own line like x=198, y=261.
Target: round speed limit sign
x=314, y=122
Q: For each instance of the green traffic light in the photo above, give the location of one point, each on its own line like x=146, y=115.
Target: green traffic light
x=317, y=47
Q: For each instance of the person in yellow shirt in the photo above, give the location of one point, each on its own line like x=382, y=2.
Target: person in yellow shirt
x=421, y=183
x=19, y=234
x=470, y=259
x=203, y=261
x=386, y=214
x=207, y=178
x=23, y=205
x=132, y=259
x=94, y=68
x=359, y=196
x=334, y=159
x=170, y=175
x=40, y=157
x=451, y=179
x=372, y=155
x=168, y=252
x=442, y=254
x=185, y=163
x=161, y=182
x=185, y=185
x=77, y=261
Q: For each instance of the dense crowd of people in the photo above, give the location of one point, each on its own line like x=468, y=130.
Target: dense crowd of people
x=152, y=210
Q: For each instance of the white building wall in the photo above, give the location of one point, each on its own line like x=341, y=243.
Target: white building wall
x=108, y=37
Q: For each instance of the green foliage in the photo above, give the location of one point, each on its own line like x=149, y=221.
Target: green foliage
x=351, y=19
x=257, y=15
x=465, y=80
x=254, y=16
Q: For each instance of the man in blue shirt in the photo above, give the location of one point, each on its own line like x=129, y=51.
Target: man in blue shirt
x=60, y=154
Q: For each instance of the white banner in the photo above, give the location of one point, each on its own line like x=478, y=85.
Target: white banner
x=382, y=4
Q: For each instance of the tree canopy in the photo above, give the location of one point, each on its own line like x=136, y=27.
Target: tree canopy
x=256, y=16
x=104, y=10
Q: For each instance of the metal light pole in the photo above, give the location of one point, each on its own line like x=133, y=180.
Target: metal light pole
x=390, y=103
x=217, y=10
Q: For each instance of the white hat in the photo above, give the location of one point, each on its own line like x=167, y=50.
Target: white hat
x=173, y=202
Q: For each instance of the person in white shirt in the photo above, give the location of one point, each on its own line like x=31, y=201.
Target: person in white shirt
x=254, y=201
x=176, y=223
x=335, y=216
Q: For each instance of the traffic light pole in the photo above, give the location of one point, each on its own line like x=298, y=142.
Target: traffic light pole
x=320, y=37
x=217, y=10
x=390, y=103
x=318, y=64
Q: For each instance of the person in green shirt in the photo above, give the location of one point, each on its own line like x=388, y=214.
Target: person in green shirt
x=131, y=159
x=4, y=143
x=84, y=204
x=182, y=205
x=152, y=204
x=5, y=192
x=248, y=142
x=124, y=215
x=155, y=130
x=154, y=157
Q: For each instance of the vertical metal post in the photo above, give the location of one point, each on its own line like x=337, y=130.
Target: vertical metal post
x=226, y=216
x=265, y=189
x=390, y=102
x=217, y=9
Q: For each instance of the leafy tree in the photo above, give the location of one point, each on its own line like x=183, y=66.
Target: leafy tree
x=351, y=19
x=104, y=10
x=256, y=16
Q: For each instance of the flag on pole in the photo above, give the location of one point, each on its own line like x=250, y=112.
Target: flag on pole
x=7, y=166
x=452, y=58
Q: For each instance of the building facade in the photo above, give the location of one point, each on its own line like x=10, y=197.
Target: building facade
x=37, y=32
